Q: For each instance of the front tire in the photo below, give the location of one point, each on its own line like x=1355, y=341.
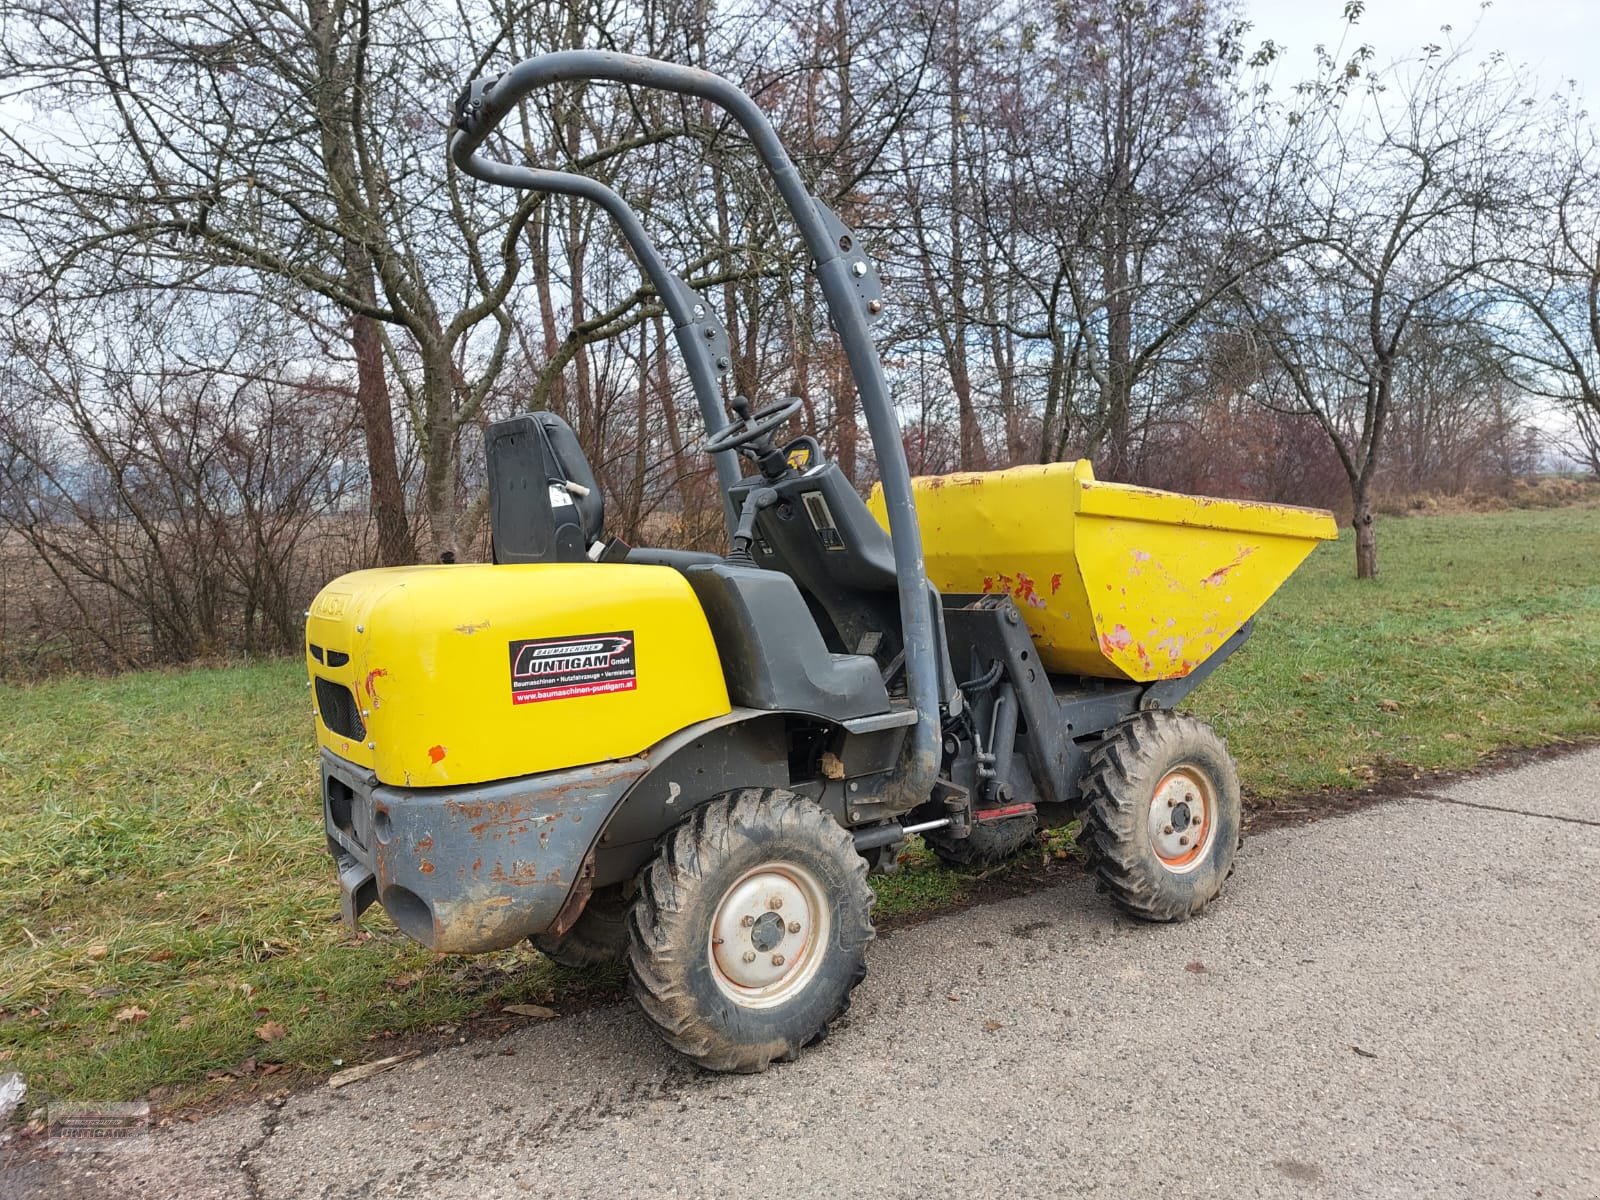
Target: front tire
x=750, y=930
x=1161, y=814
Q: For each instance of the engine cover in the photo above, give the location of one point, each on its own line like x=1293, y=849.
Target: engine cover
x=468, y=673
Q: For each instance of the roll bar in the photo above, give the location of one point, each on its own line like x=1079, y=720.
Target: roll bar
x=850, y=288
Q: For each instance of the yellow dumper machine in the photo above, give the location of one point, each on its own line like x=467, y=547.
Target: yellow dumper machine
x=693, y=760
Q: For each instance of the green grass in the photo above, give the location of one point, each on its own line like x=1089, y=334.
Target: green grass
x=161, y=849
x=1482, y=633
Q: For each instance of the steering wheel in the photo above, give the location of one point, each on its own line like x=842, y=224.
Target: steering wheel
x=751, y=426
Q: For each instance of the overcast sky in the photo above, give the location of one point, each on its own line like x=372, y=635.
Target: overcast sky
x=1556, y=39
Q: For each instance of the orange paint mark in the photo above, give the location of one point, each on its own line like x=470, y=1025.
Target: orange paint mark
x=1055, y=583
x=1025, y=592
x=372, y=686
x=436, y=754
x=1118, y=639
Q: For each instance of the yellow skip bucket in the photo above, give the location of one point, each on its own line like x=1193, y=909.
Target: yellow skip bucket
x=1115, y=581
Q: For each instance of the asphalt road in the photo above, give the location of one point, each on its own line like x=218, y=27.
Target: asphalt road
x=1402, y=1002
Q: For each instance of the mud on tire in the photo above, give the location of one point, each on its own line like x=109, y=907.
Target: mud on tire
x=599, y=936
x=1161, y=814
x=729, y=978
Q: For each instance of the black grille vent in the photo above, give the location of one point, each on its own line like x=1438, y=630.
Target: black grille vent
x=339, y=710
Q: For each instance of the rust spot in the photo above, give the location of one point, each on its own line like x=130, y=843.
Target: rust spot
x=426, y=868
x=502, y=818
x=436, y=754
x=371, y=685
x=1220, y=575
x=425, y=842
x=521, y=874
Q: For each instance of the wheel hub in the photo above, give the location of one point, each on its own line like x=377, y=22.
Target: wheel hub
x=767, y=934
x=1182, y=819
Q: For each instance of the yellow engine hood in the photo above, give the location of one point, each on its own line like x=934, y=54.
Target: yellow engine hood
x=437, y=675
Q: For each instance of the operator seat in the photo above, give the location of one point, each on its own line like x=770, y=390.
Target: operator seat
x=545, y=504
x=821, y=534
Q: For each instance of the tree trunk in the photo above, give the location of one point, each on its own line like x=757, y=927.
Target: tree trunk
x=396, y=546
x=1366, y=535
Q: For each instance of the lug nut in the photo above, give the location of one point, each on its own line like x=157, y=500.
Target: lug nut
x=747, y=920
x=1183, y=840
x=777, y=960
x=1188, y=797
x=1171, y=803
x=794, y=926
x=1166, y=829
x=749, y=956
x=775, y=903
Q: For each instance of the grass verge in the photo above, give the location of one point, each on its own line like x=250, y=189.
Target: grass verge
x=168, y=917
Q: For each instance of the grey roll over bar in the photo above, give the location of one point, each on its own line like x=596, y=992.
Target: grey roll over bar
x=849, y=286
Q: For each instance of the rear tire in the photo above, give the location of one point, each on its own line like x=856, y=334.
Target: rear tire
x=750, y=930
x=598, y=937
x=988, y=845
x=1161, y=814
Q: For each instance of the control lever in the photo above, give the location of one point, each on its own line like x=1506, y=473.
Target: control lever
x=744, y=533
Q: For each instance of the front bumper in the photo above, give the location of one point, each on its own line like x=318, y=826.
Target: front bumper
x=467, y=869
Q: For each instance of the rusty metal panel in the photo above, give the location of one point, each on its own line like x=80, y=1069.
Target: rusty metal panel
x=468, y=869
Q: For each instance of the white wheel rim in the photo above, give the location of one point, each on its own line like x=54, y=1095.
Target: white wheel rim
x=769, y=935
x=1183, y=819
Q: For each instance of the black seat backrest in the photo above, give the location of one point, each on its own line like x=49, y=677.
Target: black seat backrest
x=535, y=514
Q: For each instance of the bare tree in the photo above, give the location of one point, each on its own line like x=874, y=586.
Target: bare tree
x=1405, y=181
x=296, y=144
x=1549, y=279
x=167, y=482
